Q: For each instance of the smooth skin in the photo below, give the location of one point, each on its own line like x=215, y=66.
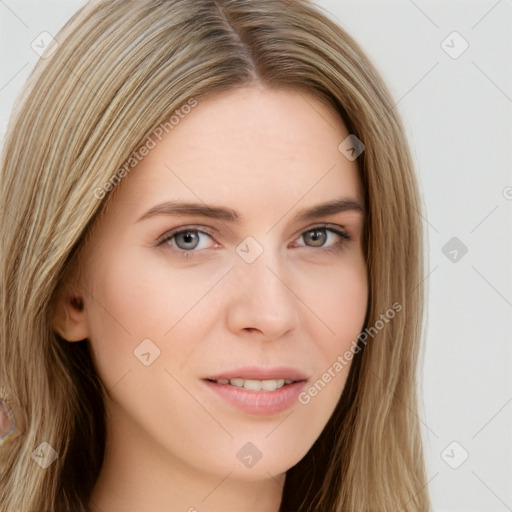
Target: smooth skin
x=172, y=443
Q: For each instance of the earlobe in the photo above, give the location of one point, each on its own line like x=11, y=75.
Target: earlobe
x=69, y=320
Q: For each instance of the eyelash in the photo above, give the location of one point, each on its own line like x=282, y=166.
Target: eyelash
x=337, y=247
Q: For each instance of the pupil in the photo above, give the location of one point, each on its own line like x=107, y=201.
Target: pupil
x=189, y=238
x=318, y=237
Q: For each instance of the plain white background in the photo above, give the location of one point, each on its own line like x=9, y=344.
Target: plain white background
x=457, y=110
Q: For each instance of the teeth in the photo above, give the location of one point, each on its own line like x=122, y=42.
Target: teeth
x=256, y=385
x=253, y=385
x=270, y=385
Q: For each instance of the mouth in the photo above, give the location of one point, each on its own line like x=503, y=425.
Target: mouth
x=258, y=391
x=255, y=384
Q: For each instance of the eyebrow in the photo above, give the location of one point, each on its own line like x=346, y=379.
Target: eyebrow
x=229, y=215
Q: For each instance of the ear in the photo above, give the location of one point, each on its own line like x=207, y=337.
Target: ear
x=68, y=318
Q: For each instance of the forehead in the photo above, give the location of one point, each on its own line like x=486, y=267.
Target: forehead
x=248, y=145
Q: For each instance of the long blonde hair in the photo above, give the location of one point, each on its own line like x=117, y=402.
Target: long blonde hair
x=122, y=67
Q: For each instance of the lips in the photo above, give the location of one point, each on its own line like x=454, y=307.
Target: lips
x=257, y=390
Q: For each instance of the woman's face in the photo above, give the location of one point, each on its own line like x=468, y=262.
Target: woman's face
x=258, y=286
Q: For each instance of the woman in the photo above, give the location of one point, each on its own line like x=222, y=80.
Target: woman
x=212, y=269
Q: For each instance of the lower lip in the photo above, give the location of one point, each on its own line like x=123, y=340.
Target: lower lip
x=259, y=402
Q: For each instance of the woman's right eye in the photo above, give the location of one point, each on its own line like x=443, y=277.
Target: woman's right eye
x=187, y=240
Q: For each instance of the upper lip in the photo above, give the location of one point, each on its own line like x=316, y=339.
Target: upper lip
x=261, y=373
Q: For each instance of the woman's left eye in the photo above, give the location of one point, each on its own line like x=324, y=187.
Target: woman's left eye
x=324, y=238
x=190, y=240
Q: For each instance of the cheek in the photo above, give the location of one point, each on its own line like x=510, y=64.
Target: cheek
x=120, y=314
x=338, y=296
x=133, y=300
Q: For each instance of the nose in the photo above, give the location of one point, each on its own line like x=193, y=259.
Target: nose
x=262, y=299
